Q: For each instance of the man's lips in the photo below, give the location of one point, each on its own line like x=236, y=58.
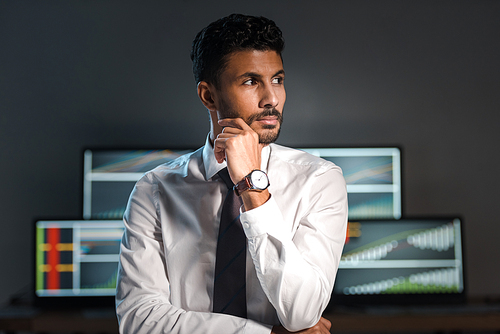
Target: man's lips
x=268, y=120
x=268, y=117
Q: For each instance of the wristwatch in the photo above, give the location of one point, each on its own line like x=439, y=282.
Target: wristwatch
x=256, y=180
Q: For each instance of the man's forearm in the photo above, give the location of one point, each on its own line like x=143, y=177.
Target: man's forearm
x=296, y=271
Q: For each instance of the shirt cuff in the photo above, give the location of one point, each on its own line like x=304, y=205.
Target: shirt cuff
x=265, y=219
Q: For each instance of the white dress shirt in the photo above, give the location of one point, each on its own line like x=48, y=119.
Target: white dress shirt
x=295, y=240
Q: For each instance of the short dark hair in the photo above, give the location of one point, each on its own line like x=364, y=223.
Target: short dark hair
x=232, y=33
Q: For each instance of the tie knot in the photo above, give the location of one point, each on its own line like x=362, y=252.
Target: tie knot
x=224, y=175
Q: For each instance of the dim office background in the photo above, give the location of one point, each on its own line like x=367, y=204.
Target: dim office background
x=423, y=75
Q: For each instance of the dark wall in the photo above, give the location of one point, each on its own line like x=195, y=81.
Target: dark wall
x=424, y=75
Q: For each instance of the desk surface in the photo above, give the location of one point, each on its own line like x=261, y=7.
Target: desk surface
x=415, y=319
x=403, y=319
x=51, y=321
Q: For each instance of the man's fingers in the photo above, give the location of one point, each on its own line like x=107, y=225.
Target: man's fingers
x=236, y=127
x=238, y=144
x=220, y=149
x=234, y=123
x=326, y=323
x=220, y=155
x=230, y=131
x=322, y=327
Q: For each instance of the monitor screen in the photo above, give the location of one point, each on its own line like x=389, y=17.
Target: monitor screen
x=373, y=177
x=383, y=262
x=406, y=260
x=110, y=176
x=76, y=258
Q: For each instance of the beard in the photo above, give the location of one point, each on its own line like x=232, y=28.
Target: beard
x=270, y=136
x=271, y=133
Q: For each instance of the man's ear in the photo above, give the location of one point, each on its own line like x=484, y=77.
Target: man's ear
x=206, y=93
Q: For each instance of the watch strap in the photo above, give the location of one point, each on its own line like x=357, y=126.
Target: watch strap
x=243, y=185
x=246, y=184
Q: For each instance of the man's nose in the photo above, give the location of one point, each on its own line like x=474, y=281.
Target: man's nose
x=269, y=97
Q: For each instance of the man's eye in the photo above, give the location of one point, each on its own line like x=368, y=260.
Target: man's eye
x=277, y=80
x=249, y=82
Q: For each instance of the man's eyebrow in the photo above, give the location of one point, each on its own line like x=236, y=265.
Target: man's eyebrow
x=280, y=72
x=257, y=75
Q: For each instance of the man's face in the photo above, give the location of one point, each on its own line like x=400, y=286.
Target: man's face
x=252, y=88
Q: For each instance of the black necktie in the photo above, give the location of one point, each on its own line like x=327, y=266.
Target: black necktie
x=230, y=262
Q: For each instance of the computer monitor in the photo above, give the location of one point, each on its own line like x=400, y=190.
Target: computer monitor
x=76, y=258
x=404, y=261
x=110, y=176
x=373, y=177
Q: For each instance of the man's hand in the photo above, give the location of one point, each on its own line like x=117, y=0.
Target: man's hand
x=322, y=327
x=238, y=143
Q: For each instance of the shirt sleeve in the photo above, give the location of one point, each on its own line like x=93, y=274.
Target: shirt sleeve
x=297, y=266
x=143, y=290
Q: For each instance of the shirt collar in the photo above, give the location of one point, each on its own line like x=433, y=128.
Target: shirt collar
x=212, y=167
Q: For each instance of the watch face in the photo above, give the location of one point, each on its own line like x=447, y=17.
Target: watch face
x=259, y=179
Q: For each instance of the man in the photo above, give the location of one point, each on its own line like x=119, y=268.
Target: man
x=293, y=208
